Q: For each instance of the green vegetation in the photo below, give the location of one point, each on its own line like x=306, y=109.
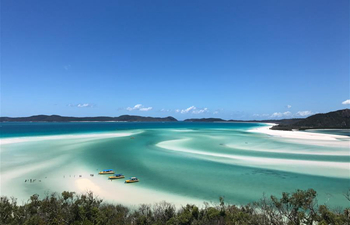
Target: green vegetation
x=333, y=120
x=295, y=208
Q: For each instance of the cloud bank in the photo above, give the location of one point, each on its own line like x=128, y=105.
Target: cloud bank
x=304, y=113
x=82, y=105
x=280, y=114
x=192, y=109
x=287, y=114
x=139, y=107
x=346, y=102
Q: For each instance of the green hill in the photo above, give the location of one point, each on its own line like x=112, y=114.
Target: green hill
x=333, y=120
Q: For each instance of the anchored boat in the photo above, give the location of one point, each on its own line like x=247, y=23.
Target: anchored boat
x=106, y=172
x=116, y=176
x=132, y=180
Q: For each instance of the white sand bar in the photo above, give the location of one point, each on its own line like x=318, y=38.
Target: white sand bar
x=6, y=141
x=311, y=167
x=305, y=137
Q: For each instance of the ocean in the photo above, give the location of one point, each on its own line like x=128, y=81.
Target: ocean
x=177, y=162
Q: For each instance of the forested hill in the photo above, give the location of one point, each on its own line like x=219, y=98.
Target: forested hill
x=56, y=118
x=333, y=120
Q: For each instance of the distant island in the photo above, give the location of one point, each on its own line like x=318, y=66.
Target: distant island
x=333, y=120
x=57, y=118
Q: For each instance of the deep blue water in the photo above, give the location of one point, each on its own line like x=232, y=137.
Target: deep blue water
x=20, y=129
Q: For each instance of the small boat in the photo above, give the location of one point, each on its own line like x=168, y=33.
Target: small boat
x=106, y=172
x=132, y=180
x=116, y=176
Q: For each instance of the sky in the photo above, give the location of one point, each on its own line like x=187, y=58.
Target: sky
x=231, y=59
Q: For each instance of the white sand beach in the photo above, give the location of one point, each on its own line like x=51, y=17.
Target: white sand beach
x=127, y=194
x=305, y=137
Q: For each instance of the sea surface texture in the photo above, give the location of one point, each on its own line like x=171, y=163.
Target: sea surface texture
x=177, y=162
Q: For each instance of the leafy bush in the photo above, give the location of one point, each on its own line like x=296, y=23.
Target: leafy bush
x=295, y=208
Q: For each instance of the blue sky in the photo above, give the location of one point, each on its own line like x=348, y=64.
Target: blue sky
x=230, y=59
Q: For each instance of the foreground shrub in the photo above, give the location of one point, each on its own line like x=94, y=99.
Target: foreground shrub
x=295, y=208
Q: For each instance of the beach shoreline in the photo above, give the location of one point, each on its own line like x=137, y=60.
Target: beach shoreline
x=295, y=134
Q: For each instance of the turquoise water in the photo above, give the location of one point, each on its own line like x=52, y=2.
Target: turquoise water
x=197, y=161
x=20, y=129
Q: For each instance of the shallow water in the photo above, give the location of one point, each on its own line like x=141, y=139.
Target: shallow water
x=177, y=162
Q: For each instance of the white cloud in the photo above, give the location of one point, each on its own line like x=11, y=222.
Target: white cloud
x=136, y=107
x=199, y=111
x=216, y=112
x=193, y=110
x=139, y=107
x=277, y=114
x=188, y=109
x=304, y=113
x=146, y=109
x=289, y=106
x=261, y=115
x=287, y=114
x=280, y=114
x=82, y=105
x=346, y=102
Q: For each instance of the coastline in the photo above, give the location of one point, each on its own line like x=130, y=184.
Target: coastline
x=301, y=135
x=126, y=194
